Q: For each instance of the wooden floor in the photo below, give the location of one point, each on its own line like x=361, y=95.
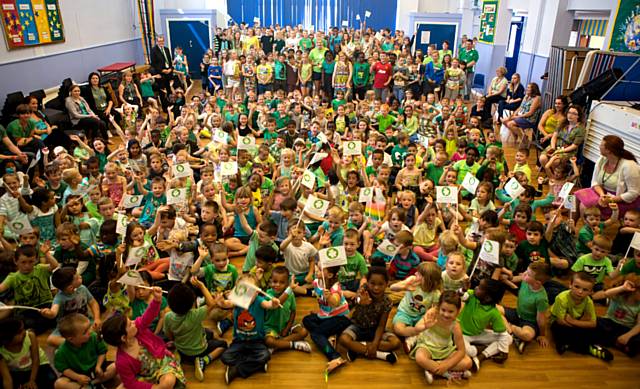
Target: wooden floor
x=536, y=368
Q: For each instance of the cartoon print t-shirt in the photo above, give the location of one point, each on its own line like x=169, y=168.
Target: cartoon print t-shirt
x=415, y=303
x=248, y=324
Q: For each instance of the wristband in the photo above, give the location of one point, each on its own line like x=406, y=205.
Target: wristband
x=288, y=291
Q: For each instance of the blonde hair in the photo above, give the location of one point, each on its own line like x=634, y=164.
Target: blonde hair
x=448, y=241
x=336, y=212
x=431, y=276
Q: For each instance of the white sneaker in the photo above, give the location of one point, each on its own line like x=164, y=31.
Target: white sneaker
x=428, y=376
x=302, y=345
x=466, y=374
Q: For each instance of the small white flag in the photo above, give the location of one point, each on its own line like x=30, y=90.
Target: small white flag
x=316, y=206
x=318, y=157
x=635, y=242
x=388, y=248
x=490, y=251
x=379, y=196
x=178, y=265
x=246, y=143
x=358, y=17
x=566, y=189
x=332, y=256
x=345, y=23
x=220, y=136
x=20, y=224
x=513, y=188
x=242, y=294
x=137, y=254
x=229, y=168
x=256, y=19
x=34, y=161
x=121, y=225
x=470, y=183
x=423, y=140
x=366, y=195
x=367, y=14
x=387, y=159
x=447, y=194
x=308, y=179
x=131, y=278
x=181, y=170
x=176, y=196
x=322, y=138
x=353, y=147
x=131, y=201
x=570, y=203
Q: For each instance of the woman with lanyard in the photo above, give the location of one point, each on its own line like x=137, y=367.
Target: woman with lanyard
x=567, y=139
x=82, y=117
x=616, y=179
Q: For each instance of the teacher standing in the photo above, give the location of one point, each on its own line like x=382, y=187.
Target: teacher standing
x=616, y=179
x=162, y=64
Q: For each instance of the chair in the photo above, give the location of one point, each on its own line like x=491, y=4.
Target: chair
x=477, y=89
x=10, y=104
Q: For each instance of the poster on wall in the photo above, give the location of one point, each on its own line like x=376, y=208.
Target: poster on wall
x=29, y=23
x=626, y=28
x=488, y=20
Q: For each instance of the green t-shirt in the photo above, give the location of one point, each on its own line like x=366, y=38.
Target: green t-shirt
x=360, y=74
x=187, y=330
x=335, y=103
x=528, y=253
x=277, y=319
x=585, y=235
x=305, y=44
x=398, y=153
x=623, y=312
x=139, y=306
x=384, y=121
x=476, y=317
x=416, y=303
x=281, y=120
x=355, y=265
x=15, y=129
x=82, y=360
x=316, y=56
x=279, y=70
x=597, y=269
x=250, y=259
x=564, y=305
x=530, y=302
x=220, y=281
x=433, y=172
x=630, y=267
x=31, y=289
x=468, y=56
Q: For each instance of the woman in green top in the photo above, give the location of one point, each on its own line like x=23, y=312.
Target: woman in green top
x=524, y=119
x=361, y=76
x=567, y=139
x=552, y=119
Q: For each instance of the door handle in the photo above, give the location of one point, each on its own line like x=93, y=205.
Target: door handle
x=190, y=43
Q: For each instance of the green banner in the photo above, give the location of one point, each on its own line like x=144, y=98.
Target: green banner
x=626, y=28
x=488, y=21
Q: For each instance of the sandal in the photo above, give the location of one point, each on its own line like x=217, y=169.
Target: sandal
x=334, y=364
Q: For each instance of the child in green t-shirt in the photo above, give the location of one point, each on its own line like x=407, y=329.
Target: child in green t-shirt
x=281, y=331
x=352, y=275
x=183, y=325
x=597, y=263
x=81, y=359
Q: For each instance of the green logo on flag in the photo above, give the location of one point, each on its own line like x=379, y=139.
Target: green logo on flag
x=351, y=145
x=17, y=226
x=318, y=204
x=133, y=199
x=332, y=253
x=246, y=140
x=488, y=246
x=446, y=191
x=175, y=193
x=180, y=168
x=241, y=289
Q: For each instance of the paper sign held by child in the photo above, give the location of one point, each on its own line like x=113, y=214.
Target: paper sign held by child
x=566, y=189
x=246, y=143
x=229, y=168
x=131, y=201
x=332, y=256
x=242, y=294
x=121, y=225
x=635, y=242
x=181, y=170
x=308, y=179
x=20, y=225
x=176, y=196
x=366, y=195
x=131, y=278
x=388, y=248
x=353, y=147
x=447, y=194
x=513, y=188
x=316, y=206
x=470, y=183
x=490, y=251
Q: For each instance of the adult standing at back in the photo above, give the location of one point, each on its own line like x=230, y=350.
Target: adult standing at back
x=470, y=56
x=316, y=56
x=162, y=64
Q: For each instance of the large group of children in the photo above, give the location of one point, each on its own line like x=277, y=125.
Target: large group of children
x=132, y=248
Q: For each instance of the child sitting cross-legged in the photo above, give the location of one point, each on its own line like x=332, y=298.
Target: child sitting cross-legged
x=529, y=320
x=440, y=347
x=367, y=334
x=282, y=332
x=82, y=357
x=183, y=325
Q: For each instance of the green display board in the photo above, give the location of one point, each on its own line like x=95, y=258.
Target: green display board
x=488, y=21
x=626, y=28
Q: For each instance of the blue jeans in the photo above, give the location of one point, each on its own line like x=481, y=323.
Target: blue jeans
x=322, y=329
x=248, y=356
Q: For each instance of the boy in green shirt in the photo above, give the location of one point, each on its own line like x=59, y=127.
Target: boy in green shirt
x=597, y=263
x=399, y=151
x=354, y=274
x=281, y=332
x=183, y=325
x=81, y=359
x=480, y=313
x=528, y=320
x=593, y=225
x=573, y=318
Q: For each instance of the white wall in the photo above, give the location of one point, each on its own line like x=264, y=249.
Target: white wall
x=87, y=23
x=402, y=15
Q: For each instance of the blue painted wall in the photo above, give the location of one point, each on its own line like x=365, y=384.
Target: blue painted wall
x=435, y=18
x=48, y=71
x=321, y=14
x=531, y=67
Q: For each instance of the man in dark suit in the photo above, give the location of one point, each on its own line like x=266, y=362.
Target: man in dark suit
x=162, y=64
